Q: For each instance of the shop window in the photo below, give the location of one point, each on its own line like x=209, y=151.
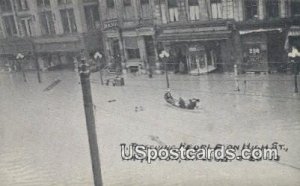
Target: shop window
x=5, y=5
x=26, y=24
x=22, y=5
x=295, y=5
x=251, y=9
x=131, y=47
x=47, y=23
x=10, y=25
x=128, y=9
x=68, y=20
x=146, y=11
x=43, y=3
x=272, y=7
x=194, y=10
x=173, y=10
x=216, y=9
x=61, y=2
x=92, y=17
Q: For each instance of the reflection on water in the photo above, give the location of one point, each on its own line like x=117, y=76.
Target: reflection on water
x=43, y=136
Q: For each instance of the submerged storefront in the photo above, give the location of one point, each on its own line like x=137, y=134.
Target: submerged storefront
x=197, y=50
x=263, y=50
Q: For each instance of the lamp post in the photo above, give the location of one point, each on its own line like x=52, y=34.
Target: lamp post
x=295, y=55
x=98, y=56
x=164, y=55
x=36, y=63
x=90, y=120
x=20, y=57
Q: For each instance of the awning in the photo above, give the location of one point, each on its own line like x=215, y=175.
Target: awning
x=294, y=31
x=196, y=36
x=244, y=32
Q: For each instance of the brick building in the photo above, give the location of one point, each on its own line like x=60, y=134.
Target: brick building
x=51, y=32
x=200, y=34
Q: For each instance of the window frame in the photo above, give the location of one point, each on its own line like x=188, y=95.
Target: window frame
x=218, y=4
x=272, y=8
x=90, y=9
x=43, y=4
x=69, y=21
x=20, y=5
x=250, y=4
x=5, y=6
x=9, y=21
x=50, y=28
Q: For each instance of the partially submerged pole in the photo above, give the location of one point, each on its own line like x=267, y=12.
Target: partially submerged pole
x=90, y=120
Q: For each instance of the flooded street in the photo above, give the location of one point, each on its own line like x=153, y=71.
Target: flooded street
x=43, y=136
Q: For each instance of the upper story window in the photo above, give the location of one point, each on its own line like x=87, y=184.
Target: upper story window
x=128, y=9
x=43, y=3
x=110, y=3
x=216, y=9
x=251, y=9
x=92, y=17
x=22, y=5
x=145, y=9
x=5, y=5
x=62, y=2
x=10, y=25
x=229, y=9
x=26, y=24
x=272, y=7
x=173, y=10
x=68, y=20
x=47, y=23
x=194, y=10
x=295, y=5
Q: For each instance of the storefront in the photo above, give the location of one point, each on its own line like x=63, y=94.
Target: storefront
x=193, y=58
x=263, y=50
x=197, y=50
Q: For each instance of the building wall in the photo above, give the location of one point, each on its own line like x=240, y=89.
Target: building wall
x=57, y=44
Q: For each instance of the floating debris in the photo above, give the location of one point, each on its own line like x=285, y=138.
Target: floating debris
x=52, y=85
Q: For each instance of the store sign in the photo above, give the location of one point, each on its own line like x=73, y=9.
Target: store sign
x=254, y=54
x=111, y=24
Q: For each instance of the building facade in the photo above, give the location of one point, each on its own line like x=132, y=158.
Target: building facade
x=52, y=33
x=199, y=34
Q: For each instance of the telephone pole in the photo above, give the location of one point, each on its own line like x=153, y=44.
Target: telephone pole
x=90, y=120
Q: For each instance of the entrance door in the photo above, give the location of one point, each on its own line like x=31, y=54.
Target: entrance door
x=116, y=63
x=197, y=62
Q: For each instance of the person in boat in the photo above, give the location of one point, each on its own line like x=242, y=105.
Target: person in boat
x=169, y=98
x=181, y=103
x=192, y=103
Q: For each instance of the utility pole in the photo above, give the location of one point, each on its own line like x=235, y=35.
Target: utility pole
x=295, y=75
x=36, y=62
x=237, y=87
x=90, y=120
x=164, y=56
x=19, y=58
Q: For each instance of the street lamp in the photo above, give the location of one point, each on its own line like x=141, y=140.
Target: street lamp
x=84, y=72
x=98, y=56
x=294, y=55
x=164, y=55
x=20, y=57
